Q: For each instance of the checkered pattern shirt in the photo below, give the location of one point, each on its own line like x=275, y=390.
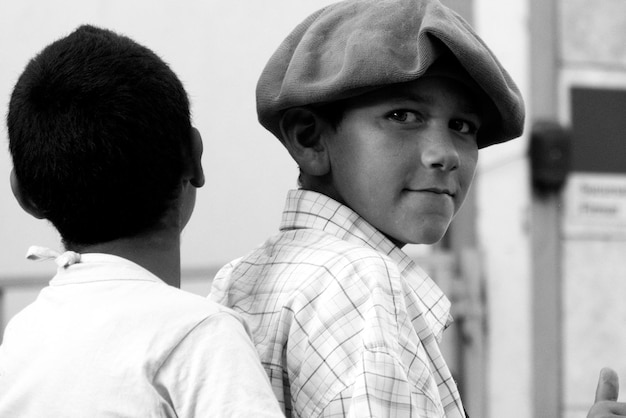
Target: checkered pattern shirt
x=345, y=323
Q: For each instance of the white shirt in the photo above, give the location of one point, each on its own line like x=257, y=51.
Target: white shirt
x=345, y=323
x=107, y=338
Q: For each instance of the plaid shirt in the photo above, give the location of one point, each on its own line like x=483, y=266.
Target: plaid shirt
x=345, y=323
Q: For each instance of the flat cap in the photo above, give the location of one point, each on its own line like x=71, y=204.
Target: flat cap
x=356, y=46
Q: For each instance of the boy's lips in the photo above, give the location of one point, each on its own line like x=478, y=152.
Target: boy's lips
x=435, y=190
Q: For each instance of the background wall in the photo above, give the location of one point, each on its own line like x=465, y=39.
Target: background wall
x=503, y=199
x=593, y=56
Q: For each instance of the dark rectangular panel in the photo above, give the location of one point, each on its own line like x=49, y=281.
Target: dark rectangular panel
x=598, y=130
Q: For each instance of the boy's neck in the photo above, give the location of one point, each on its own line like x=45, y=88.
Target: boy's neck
x=158, y=253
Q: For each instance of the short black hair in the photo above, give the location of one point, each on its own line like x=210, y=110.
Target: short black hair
x=99, y=127
x=332, y=113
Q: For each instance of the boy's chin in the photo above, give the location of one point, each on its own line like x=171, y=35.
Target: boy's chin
x=422, y=237
x=427, y=240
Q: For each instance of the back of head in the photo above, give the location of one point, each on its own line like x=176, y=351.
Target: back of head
x=355, y=46
x=98, y=129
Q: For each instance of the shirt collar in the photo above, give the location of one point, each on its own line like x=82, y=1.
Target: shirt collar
x=97, y=267
x=306, y=209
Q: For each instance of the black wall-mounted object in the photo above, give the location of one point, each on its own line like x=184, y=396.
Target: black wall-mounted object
x=549, y=151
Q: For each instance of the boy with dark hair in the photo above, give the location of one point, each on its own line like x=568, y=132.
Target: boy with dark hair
x=103, y=147
x=383, y=104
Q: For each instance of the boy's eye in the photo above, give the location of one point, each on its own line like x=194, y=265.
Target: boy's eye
x=403, y=115
x=463, y=126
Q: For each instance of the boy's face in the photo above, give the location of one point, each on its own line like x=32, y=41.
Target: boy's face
x=403, y=157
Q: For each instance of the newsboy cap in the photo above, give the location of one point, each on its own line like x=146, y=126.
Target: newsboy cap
x=356, y=46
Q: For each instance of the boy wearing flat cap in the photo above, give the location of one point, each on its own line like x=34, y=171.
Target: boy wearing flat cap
x=383, y=104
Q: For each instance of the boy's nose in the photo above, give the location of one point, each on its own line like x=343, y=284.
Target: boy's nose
x=439, y=152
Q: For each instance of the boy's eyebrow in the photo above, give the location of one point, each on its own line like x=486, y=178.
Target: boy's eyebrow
x=412, y=96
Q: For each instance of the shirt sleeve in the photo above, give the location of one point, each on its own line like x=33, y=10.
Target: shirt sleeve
x=215, y=372
x=380, y=389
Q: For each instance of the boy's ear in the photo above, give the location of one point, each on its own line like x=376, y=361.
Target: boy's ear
x=303, y=136
x=25, y=202
x=197, y=173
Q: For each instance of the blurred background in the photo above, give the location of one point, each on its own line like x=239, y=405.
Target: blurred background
x=535, y=262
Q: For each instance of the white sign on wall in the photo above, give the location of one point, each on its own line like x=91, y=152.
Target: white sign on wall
x=595, y=204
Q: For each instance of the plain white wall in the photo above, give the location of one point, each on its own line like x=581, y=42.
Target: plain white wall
x=503, y=204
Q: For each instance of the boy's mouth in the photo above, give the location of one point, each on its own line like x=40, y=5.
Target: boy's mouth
x=435, y=190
